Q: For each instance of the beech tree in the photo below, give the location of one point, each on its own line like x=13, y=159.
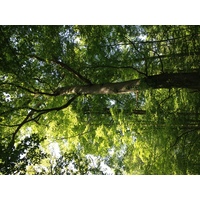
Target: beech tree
x=125, y=96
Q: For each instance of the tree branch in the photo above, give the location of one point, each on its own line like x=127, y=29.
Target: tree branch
x=79, y=76
x=139, y=53
x=30, y=117
x=177, y=140
x=56, y=108
x=28, y=90
x=122, y=67
x=65, y=66
x=181, y=135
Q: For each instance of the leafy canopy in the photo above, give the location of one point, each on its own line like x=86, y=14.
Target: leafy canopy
x=75, y=99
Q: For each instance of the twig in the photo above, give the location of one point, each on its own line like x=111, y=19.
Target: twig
x=145, y=74
x=30, y=117
x=28, y=90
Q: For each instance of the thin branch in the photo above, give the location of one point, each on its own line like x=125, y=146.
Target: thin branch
x=145, y=74
x=133, y=45
x=28, y=90
x=65, y=66
x=159, y=57
x=144, y=42
x=139, y=72
x=168, y=97
x=30, y=114
x=65, y=138
x=177, y=140
x=56, y=108
x=30, y=117
x=180, y=136
x=122, y=67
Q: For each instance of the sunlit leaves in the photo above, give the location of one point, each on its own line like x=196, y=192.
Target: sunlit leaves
x=149, y=131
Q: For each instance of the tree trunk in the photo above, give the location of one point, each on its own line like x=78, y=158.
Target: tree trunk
x=106, y=111
x=190, y=80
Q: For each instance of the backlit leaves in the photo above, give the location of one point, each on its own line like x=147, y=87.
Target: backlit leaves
x=148, y=131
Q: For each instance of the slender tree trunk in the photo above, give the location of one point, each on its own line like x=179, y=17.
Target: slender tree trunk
x=107, y=111
x=190, y=80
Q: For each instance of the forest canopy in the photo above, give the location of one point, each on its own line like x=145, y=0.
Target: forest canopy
x=100, y=100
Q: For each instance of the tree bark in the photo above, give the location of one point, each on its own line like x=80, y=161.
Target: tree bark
x=190, y=80
x=106, y=88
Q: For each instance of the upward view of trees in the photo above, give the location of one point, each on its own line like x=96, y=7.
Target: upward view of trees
x=100, y=100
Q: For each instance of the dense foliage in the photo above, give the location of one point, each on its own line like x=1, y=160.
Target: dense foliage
x=80, y=99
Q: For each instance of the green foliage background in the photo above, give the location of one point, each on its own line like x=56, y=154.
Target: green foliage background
x=147, y=131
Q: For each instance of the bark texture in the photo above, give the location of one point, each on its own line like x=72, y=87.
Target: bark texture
x=106, y=88
x=176, y=80
x=190, y=80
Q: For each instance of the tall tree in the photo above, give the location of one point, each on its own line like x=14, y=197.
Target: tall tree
x=128, y=95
